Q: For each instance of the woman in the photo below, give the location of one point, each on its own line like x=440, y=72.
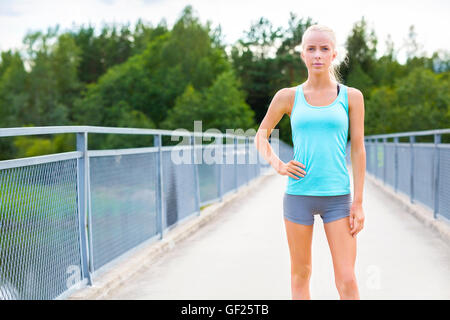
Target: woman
x=322, y=112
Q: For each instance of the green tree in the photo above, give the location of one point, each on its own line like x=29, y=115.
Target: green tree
x=65, y=59
x=256, y=66
x=221, y=106
x=151, y=81
x=361, y=50
x=13, y=90
x=45, y=105
x=126, y=117
x=424, y=98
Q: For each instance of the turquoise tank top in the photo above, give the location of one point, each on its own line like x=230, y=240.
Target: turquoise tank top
x=319, y=136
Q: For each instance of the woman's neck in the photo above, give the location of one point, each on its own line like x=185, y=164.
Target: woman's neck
x=317, y=82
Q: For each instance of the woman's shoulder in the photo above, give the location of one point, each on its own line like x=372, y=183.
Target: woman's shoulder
x=355, y=97
x=287, y=94
x=354, y=93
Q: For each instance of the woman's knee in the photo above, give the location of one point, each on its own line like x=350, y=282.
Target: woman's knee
x=301, y=272
x=346, y=280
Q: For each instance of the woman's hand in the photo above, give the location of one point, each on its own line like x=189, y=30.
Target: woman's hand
x=291, y=168
x=356, y=218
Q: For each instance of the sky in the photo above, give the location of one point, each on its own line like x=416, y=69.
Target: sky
x=394, y=17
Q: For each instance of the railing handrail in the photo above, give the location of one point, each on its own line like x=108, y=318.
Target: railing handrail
x=22, y=131
x=408, y=134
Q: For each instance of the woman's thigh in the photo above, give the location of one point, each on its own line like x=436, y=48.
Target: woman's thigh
x=342, y=246
x=299, y=238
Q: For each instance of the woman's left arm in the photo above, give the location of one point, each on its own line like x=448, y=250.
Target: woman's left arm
x=358, y=157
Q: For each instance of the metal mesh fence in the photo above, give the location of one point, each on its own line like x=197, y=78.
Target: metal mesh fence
x=65, y=217
x=418, y=170
x=208, y=174
x=179, y=192
x=390, y=171
x=443, y=202
x=241, y=165
x=41, y=242
x=123, y=203
x=423, y=177
x=229, y=172
x=404, y=168
x=286, y=152
x=39, y=238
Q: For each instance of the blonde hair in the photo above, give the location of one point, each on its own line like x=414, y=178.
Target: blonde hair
x=334, y=67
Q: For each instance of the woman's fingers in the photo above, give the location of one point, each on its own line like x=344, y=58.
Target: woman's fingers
x=292, y=176
x=299, y=164
x=295, y=171
x=358, y=225
x=354, y=228
x=289, y=172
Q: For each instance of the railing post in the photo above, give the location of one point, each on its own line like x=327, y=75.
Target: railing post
x=412, y=139
x=437, y=141
x=82, y=184
x=89, y=212
x=196, y=178
x=235, y=141
x=376, y=158
x=369, y=155
x=384, y=160
x=257, y=157
x=247, y=169
x=375, y=169
x=255, y=152
x=160, y=190
x=374, y=162
x=396, y=164
x=219, y=148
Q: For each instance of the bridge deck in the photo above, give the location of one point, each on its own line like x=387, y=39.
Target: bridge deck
x=243, y=254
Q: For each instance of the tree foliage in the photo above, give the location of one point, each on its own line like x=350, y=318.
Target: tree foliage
x=156, y=77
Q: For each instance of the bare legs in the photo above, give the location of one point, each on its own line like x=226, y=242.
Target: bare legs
x=299, y=239
x=343, y=251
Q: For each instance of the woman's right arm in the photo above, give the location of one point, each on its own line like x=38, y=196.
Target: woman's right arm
x=278, y=107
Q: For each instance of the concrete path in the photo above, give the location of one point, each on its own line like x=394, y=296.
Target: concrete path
x=243, y=254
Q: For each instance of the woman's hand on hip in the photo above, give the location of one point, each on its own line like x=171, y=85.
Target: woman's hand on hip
x=291, y=169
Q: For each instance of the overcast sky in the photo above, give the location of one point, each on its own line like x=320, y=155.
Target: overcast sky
x=430, y=18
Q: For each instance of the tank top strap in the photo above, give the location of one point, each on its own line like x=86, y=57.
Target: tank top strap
x=344, y=97
x=296, y=99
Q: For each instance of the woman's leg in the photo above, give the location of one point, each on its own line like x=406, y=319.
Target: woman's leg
x=299, y=238
x=343, y=251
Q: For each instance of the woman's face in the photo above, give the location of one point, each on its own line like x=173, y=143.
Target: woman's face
x=318, y=52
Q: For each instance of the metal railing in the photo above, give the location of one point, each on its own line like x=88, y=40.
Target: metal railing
x=66, y=217
x=418, y=170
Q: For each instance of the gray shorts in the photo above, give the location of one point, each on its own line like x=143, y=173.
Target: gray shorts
x=301, y=209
